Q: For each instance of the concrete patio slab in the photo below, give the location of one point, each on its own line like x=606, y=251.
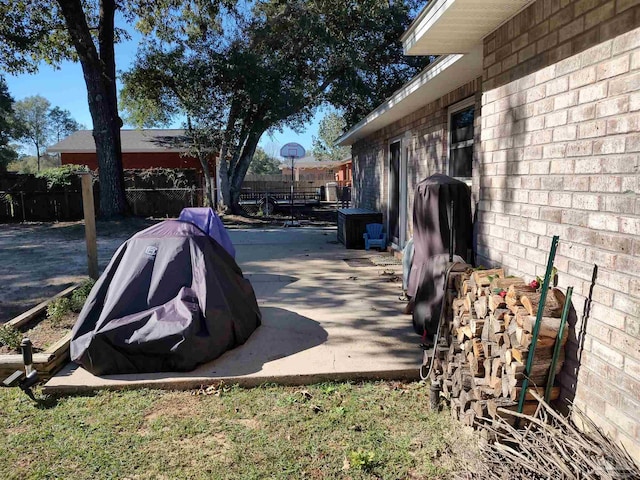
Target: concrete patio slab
x=322, y=320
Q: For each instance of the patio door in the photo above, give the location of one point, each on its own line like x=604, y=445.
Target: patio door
x=397, y=206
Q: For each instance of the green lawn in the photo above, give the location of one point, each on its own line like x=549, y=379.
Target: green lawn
x=342, y=430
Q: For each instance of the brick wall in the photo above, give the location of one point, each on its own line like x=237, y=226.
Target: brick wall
x=426, y=135
x=560, y=156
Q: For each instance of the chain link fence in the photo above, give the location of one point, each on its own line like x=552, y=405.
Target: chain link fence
x=163, y=202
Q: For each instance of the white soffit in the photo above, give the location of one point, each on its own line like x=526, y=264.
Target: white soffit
x=456, y=26
x=438, y=79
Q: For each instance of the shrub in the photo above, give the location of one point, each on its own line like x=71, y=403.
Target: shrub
x=61, y=176
x=79, y=296
x=10, y=336
x=58, y=309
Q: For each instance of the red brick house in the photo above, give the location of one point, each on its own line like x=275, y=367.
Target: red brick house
x=308, y=168
x=536, y=105
x=344, y=172
x=152, y=148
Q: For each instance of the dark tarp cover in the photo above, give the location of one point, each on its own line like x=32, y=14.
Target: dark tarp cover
x=431, y=231
x=170, y=299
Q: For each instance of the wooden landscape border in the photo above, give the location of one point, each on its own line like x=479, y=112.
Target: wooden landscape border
x=47, y=363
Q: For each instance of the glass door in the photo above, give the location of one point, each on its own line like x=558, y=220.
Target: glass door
x=395, y=152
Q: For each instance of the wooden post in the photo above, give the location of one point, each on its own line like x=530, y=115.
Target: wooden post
x=24, y=216
x=90, y=224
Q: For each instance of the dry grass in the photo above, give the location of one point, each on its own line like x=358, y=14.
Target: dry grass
x=233, y=433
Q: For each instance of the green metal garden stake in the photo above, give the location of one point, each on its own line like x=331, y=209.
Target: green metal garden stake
x=558, y=346
x=536, y=328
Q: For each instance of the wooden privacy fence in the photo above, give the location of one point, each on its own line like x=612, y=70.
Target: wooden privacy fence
x=46, y=206
x=152, y=192
x=40, y=206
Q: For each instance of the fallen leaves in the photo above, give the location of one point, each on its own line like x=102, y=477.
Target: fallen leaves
x=216, y=389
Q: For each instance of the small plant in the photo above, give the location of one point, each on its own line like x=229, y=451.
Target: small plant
x=10, y=336
x=328, y=389
x=537, y=283
x=58, y=309
x=362, y=460
x=79, y=296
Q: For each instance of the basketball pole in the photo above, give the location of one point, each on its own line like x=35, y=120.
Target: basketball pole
x=292, y=151
x=292, y=188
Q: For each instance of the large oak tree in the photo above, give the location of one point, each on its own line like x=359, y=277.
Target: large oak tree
x=272, y=64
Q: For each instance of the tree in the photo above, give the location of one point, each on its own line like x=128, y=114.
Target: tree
x=331, y=127
x=263, y=163
x=62, y=123
x=8, y=153
x=269, y=66
x=83, y=31
x=32, y=113
x=29, y=163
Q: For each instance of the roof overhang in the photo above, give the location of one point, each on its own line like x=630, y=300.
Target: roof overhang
x=439, y=78
x=456, y=26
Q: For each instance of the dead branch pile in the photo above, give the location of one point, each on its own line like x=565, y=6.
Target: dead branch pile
x=550, y=446
x=483, y=349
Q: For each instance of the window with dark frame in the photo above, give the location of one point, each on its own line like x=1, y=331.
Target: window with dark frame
x=461, y=145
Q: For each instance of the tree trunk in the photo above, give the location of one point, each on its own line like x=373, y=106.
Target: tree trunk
x=241, y=167
x=208, y=180
x=99, y=74
x=224, y=183
x=38, y=155
x=224, y=194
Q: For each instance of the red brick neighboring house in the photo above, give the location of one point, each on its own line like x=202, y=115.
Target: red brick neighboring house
x=308, y=168
x=152, y=148
x=344, y=173
x=536, y=105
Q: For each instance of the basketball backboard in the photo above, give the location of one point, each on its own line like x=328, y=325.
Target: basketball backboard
x=292, y=150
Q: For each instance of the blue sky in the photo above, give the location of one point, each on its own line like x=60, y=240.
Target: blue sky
x=65, y=88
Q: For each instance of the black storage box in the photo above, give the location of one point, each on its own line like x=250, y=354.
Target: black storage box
x=352, y=225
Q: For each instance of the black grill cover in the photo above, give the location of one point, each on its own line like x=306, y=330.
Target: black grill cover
x=431, y=204
x=170, y=299
x=431, y=231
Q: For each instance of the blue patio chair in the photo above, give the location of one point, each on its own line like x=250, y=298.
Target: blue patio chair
x=375, y=236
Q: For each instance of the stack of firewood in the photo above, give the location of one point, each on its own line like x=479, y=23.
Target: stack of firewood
x=484, y=345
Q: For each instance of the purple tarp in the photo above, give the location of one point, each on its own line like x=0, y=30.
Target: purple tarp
x=208, y=221
x=170, y=299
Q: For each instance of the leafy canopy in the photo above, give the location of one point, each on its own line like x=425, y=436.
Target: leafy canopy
x=331, y=127
x=263, y=163
x=7, y=126
x=32, y=114
x=61, y=123
x=238, y=72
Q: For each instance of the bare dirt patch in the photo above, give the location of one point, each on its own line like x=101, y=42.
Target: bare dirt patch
x=45, y=333
x=174, y=405
x=41, y=259
x=250, y=423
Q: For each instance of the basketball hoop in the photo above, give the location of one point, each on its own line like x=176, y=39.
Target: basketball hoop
x=292, y=151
